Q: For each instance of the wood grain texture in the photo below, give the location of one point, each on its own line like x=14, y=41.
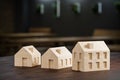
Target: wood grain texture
x=9, y=72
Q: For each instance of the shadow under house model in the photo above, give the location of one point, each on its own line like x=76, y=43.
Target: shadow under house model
x=27, y=56
x=57, y=58
x=91, y=56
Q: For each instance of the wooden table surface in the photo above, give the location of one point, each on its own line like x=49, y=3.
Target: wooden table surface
x=9, y=72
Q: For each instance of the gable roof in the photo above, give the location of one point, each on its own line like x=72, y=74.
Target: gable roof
x=31, y=50
x=87, y=46
x=62, y=52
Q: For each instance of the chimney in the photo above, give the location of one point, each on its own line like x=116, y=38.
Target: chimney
x=58, y=51
x=89, y=45
x=31, y=49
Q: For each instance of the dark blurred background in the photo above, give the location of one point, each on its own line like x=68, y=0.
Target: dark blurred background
x=20, y=22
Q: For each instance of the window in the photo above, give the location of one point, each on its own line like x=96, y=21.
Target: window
x=98, y=64
x=79, y=55
x=105, y=64
x=61, y=62
x=105, y=55
x=66, y=61
x=70, y=60
x=74, y=55
x=98, y=55
x=90, y=65
x=90, y=56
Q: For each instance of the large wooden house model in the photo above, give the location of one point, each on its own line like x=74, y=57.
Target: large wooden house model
x=91, y=56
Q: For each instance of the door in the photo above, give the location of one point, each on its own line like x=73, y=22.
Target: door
x=51, y=63
x=78, y=65
x=36, y=60
x=24, y=61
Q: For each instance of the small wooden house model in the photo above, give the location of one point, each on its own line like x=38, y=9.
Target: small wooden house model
x=27, y=56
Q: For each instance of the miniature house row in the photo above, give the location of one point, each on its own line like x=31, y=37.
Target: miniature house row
x=53, y=58
x=86, y=56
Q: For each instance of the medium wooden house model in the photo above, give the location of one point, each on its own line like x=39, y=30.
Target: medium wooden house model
x=57, y=58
